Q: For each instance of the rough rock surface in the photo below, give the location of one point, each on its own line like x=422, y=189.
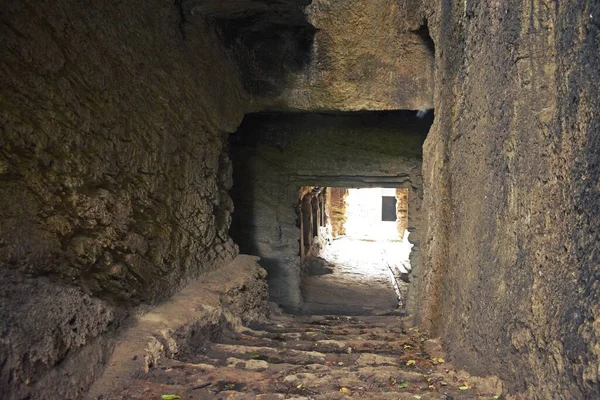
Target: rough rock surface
x=365, y=55
x=231, y=296
x=275, y=155
x=512, y=187
x=305, y=357
x=112, y=177
x=44, y=324
x=111, y=154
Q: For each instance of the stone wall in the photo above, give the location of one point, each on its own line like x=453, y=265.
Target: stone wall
x=276, y=154
x=511, y=170
x=366, y=55
x=113, y=185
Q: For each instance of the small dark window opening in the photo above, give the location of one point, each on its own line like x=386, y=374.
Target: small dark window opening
x=388, y=208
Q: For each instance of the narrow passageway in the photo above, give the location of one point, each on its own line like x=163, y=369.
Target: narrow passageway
x=300, y=199
x=360, y=266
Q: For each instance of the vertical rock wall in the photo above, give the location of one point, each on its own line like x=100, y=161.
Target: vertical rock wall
x=512, y=187
x=113, y=185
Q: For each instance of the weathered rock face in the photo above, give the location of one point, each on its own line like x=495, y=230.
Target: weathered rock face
x=366, y=55
x=511, y=170
x=180, y=327
x=276, y=154
x=112, y=177
x=44, y=324
x=268, y=40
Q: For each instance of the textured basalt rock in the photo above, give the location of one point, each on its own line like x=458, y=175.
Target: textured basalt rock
x=113, y=185
x=365, y=55
x=512, y=192
x=44, y=324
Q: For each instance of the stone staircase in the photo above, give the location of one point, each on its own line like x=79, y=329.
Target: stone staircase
x=312, y=357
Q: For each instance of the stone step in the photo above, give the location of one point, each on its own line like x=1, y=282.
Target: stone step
x=312, y=381
x=310, y=358
x=333, y=396
x=313, y=343
x=269, y=354
x=343, y=330
x=389, y=323
x=252, y=376
x=373, y=320
x=313, y=335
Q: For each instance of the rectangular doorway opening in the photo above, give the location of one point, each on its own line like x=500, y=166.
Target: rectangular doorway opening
x=355, y=250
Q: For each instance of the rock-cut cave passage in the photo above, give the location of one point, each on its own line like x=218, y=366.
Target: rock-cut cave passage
x=177, y=199
x=297, y=182
x=357, y=261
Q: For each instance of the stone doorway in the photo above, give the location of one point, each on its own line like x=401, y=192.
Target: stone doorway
x=358, y=263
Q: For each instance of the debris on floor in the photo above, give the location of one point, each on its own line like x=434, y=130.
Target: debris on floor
x=313, y=357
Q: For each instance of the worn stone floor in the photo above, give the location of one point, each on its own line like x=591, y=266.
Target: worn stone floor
x=312, y=357
x=284, y=356
x=351, y=277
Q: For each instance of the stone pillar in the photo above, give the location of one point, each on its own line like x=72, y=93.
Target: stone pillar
x=402, y=210
x=337, y=210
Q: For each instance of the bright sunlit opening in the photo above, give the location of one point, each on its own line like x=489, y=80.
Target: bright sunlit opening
x=378, y=215
x=366, y=212
x=363, y=253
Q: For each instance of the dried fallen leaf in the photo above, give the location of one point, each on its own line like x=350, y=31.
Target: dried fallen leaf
x=344, y=390
x=410, y=362
x=416, y=396
x=407, y=347
x=299, y=386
